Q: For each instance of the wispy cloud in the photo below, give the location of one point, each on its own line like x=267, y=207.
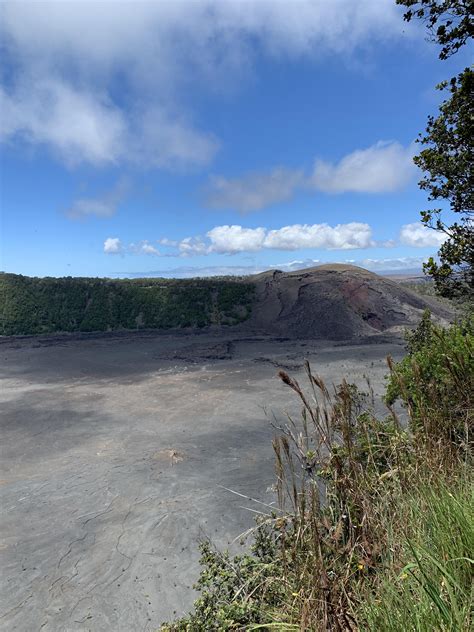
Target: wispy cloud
x=253, y=191
x=82, y=127
x=190, y=246
x=77, y=125
x=66, y=57
x=103, y=205
x=384, y=167
x=185, y=272
x=420, y=236
x=144, y=248
x=114, y=246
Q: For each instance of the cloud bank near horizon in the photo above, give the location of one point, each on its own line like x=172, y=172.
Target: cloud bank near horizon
x=398, y=265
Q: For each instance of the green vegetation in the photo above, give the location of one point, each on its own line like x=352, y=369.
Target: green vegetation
x=447, y=157
x=448, y=162
x=35, y=306
x=433, y=590
x=424, y=287
x=435, y=380
x=373, y=528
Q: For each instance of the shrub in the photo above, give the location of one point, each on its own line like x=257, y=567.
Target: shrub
x=236, y=592
x=435, y=381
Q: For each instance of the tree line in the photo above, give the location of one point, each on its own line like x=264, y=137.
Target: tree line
x=44, y=305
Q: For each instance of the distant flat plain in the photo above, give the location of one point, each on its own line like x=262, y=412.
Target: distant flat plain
x=117, y=456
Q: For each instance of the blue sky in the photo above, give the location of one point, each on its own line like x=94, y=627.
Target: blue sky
x=210, y=137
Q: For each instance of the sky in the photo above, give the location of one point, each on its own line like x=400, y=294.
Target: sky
x=212, y=137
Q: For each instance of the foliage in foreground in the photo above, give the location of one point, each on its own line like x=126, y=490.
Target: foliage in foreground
x=447, y=157
x=435, y=381
x=433, y=590
x=447, y=161
x=374, y=526
x=449, y=22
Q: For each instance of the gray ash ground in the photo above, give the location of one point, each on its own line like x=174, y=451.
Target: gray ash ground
x=116, y=455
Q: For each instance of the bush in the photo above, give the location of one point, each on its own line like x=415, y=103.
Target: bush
x=435, y=381
x=236, y=592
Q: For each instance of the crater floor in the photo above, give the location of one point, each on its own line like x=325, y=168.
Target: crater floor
x=117, y=456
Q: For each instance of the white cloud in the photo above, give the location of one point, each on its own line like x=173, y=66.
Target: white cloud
x=192, y=246
x=77, y=125
x=254, y=191
x=230, y=240
x=233, y=239
x=164, y=241
x=105, y=205
x=385, y=166
x=148, y=249
x=67, y=56
x=113, y=246
x=157, y=139
x=144, y=248
x=340, y=237
x=84, y=127
x=419, y=236
x=104, y=35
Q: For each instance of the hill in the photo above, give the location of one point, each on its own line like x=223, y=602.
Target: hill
x=336, y=302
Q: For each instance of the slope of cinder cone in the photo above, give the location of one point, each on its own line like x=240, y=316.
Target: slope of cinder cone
x=336, y=302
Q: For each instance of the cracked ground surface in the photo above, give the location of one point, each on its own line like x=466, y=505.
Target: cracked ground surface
x=115, y=455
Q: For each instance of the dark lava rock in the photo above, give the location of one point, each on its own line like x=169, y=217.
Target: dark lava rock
x=336, y=302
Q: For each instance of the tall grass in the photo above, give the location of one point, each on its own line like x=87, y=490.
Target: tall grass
x=433, y=589
x=336, y=471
